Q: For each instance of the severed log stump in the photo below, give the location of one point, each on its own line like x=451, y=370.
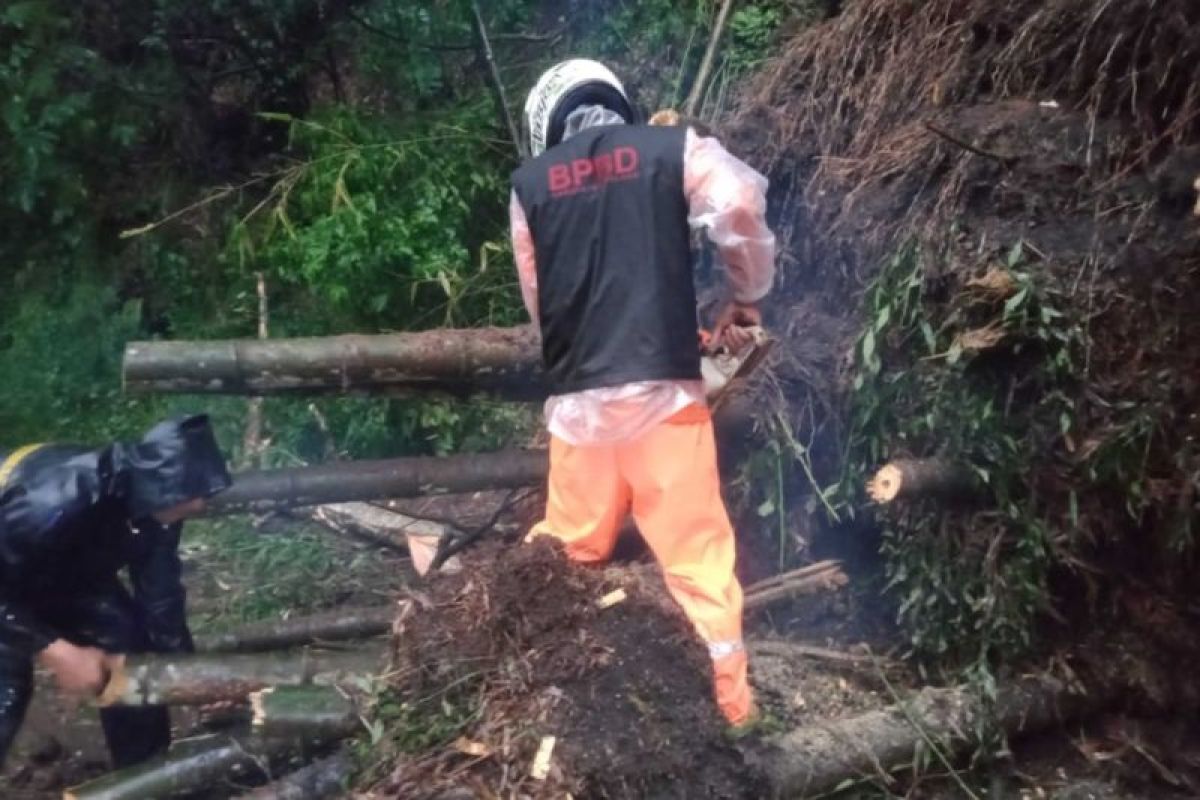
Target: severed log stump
x=816, y=759
x=334, y=626
x=326, y=778
x=190, y=765
x=273, y=490
x=176, y=680
x=503, y=361
x=912, y=478
x=308, y=713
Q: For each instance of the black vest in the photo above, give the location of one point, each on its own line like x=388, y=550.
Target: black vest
x=608, y=216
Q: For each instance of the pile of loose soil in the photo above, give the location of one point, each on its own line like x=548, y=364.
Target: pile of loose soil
x=518, y=640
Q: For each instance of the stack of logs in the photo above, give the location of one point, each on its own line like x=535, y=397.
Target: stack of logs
x=302, y=702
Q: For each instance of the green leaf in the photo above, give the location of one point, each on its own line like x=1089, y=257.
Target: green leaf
x=1015, y=302
x=881, y=321
x=1014, y=255
x=927, y=333
x=766, y=508
x=868, y=347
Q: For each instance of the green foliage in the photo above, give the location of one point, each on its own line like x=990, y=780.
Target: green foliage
x=59, y=366
x=752, y=30
x=958, y=380
x=253, y=576
x=383, y=225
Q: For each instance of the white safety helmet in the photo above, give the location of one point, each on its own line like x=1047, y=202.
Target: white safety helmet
x=561, y=90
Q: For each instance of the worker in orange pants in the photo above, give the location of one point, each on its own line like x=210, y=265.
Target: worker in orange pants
x=601, y=219
x=668, y=480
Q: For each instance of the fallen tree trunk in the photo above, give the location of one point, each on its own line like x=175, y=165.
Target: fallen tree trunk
x=198, y=679
x=190, y=765
x=907, y=479
x=819, y=577
x=350, y=623
x=307, y=713
x=321, y=779
x=274, y=490
x=504, y=361
x=815, y=759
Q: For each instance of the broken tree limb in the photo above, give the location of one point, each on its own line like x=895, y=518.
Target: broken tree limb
x=175, y=680
x=504, y=361
x=274, y=490
x=335, y=626
x=308, y=713
x=190, y=764
x=324, y=778
x=815, y=759
x=822, y=576
x=907, y=479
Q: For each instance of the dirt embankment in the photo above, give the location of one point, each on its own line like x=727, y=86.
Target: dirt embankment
x=1056, y=144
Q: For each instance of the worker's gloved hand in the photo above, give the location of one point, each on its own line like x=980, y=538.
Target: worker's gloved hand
x=77, y=670
x=733, y=325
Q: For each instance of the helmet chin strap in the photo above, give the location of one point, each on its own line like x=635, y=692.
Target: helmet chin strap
x=590, y=116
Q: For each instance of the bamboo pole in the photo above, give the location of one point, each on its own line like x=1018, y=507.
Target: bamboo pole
x=335, y=626
x=274, y=490
x=174, y=680
x=307, y=713
x=189, y=765
x=907, y=479
x=692, y=103
x=816, y=759
x=824, y=576
x=506, y=361
x=326, y=778
x=489, y=58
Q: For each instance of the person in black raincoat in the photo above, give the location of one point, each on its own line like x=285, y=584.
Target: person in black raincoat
x=71, y=518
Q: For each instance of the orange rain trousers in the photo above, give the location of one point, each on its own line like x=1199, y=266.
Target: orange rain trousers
x=668, y=479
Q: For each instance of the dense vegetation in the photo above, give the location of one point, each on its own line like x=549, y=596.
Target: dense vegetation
x=157, y=156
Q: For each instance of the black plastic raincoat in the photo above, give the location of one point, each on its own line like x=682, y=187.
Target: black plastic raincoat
x=71, y=519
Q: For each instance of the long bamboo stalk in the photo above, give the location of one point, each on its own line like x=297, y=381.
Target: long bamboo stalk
x=505, y=361
x=273, y=490
x=813, y=760
x=828, y=577
x=326, y=778
x=189, y=765
x=691, y=105
x=334, y=626
x=207, y=678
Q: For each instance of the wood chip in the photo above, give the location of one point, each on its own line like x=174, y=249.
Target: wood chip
x=470, y=748
x=541, y=761
x=612, y=598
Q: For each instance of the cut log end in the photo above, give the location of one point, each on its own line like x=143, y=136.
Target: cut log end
x=886, y=484
x=908, y=479
x=258, y=713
